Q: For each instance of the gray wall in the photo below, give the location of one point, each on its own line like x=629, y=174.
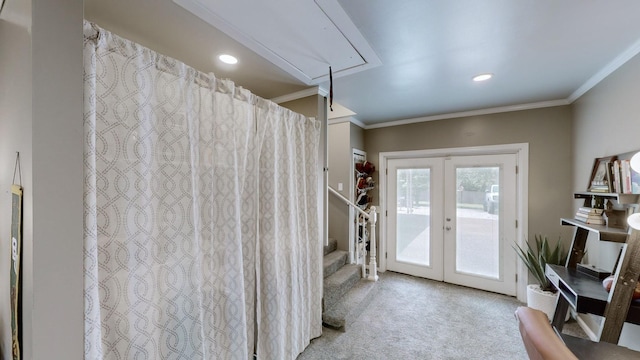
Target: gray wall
x=548, y=132
x=15, y=132
x=343, y=138
x=41, y=117
x=606, y=122
x=339, y=138
x=307, y=106
x=357, y=137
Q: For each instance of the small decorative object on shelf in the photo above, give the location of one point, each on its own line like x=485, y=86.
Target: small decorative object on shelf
x=593, y=271
x=616, y=218
x=602, y=175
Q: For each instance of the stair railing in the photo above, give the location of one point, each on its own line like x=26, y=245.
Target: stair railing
x=371, y=218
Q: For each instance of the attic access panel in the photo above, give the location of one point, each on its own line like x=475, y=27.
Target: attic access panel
x=302, y=37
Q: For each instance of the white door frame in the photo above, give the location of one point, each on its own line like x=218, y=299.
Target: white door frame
x=521, y=150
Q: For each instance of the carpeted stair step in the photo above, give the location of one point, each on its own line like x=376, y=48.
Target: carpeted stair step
x=351, y=305
x=333, y=245
x=333, y=261
x=339, y=283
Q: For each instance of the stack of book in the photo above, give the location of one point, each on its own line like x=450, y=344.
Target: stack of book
x=600, y=188
x=625, y=179
x=590, y=215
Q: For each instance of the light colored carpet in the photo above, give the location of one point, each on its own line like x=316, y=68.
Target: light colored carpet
x=413, y=318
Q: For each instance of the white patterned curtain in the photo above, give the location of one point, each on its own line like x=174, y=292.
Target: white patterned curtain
x=200, y=221
x=288, y=251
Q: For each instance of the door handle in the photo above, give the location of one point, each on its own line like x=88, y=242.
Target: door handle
x=448, y=228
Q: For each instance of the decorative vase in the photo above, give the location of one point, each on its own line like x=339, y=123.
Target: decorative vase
x=544, y=301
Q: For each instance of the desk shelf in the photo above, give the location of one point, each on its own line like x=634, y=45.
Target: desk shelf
x=584, y=293
x=622, y=199
x=604, y=233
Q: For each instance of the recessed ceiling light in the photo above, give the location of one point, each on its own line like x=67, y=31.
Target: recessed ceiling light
x=482, y=77
x=228, y=59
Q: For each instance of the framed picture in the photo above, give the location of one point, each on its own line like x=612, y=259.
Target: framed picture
x=602, y=175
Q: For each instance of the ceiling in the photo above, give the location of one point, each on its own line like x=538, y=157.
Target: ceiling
x=392, y=61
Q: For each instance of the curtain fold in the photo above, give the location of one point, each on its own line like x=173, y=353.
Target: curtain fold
x=289, y=306
x=175, y=230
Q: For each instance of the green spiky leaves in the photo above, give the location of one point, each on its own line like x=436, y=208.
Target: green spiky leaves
x=543, y=254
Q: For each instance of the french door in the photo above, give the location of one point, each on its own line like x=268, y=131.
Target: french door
x=453, y=219
x=414, y=217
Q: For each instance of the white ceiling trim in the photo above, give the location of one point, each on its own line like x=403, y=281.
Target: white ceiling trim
x=350, y=119
x=487, y=111
x=614, y=65
x=316, y=90
x=340, y=120
x=359, y=123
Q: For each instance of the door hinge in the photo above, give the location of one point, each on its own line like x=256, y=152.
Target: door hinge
x=385, y=255
x=516, y=277
x=516, y=224
x=386, y=171
x=386, y=213
x=516, y=169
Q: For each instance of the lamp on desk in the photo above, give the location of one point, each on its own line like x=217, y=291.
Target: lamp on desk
x=634, y=219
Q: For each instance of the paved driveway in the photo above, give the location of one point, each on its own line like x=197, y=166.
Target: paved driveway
x=477, y=239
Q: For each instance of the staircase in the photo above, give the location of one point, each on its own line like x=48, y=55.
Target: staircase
x=346, y=294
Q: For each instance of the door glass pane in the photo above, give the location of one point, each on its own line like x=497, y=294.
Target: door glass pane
x=412, y=216
x=478, y=212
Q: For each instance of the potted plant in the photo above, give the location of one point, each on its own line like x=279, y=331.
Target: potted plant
x=542, y=296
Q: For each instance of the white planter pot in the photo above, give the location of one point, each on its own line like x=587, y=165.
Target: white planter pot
x=544, y=301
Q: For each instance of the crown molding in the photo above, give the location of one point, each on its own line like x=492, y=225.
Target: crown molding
x=344, y=119
x=495, y=110
x=358, y=123
x=316, y=90
x=614, y=65
x=339, y=120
